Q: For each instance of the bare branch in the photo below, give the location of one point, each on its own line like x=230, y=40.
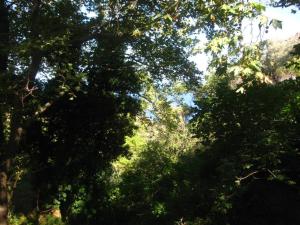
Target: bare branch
x=245, y=177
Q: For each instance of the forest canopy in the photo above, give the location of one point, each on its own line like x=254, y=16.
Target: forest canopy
x=94, y=122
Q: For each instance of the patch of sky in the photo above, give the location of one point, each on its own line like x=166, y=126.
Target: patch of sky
x=290, y=25
x=187, y=98
x=45, y=74
x=88, y=13
x=199, y=57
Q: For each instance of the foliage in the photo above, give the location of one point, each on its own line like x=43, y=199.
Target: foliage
x=43, y=220
x=280, y=58
x=142, y=181
x=286, y=3
x=93, y=123
x=63, y=70
x=250, y=135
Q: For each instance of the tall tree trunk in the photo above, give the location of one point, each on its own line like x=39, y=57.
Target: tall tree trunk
x=5, y=162
x=3, y=194
x=9, y=148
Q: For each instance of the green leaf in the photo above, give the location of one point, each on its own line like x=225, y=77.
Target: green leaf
x=277, y=24
x=168, y=17
x=263, y=20
x=136, y=33
x=258, y=6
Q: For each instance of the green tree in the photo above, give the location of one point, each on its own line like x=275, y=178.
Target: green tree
x=143, y=179
x=55, y=58
x=247, y=136
x=57, y=62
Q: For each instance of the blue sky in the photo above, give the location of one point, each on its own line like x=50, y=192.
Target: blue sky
x=290, y=23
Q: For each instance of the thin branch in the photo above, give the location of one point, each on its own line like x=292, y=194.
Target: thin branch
x=272, y=173
x=245, y=177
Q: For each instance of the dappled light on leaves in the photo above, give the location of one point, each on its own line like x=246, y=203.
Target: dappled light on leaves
x=104, y=118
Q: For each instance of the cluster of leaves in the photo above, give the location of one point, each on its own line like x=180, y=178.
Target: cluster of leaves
x=251, y=135
x=69, y=83
x=139, y=182
x=93, y=121
x=286, y=3
x=247, y=150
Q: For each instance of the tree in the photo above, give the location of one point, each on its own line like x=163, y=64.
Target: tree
x=56, y=60
x=82, y=59
x=143, y=180
x=249, y=139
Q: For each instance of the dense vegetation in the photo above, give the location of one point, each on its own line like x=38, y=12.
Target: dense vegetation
x=95, y=127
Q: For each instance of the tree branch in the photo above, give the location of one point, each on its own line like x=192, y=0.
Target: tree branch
x=247, y=176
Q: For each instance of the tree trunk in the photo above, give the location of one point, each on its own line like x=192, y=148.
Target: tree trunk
x=9, y=148
x=3, y=195
x=4, y=162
